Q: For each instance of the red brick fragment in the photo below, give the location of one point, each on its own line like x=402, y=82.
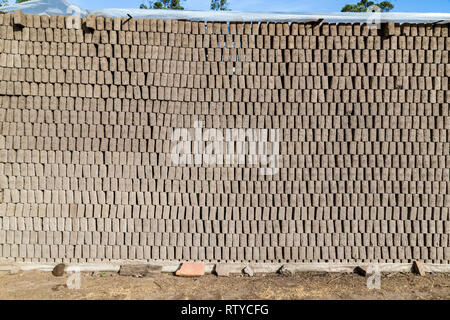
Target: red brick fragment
x=191, y=269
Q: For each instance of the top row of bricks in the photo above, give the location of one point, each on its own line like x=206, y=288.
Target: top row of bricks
x=99, y=23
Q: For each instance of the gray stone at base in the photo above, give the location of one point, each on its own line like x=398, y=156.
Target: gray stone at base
x=361, y=271
x=223, y=269
x=58, y=270
x=248, y=271
x=286, y=271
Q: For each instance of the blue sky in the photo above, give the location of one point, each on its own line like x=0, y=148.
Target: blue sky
x=278, y=5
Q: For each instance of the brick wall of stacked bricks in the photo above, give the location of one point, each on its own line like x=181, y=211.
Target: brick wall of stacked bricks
x=86, y=116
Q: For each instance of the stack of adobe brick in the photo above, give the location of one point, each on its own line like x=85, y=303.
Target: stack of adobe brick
x=86, y=117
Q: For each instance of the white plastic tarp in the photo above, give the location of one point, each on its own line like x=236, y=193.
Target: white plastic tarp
x=63, y=7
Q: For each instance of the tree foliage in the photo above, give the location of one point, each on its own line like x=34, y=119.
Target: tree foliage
x=5, y=2
x=219, y=5
x=366, y=5
x=163, y=4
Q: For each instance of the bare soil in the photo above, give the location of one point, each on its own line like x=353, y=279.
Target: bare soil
x=307, y=285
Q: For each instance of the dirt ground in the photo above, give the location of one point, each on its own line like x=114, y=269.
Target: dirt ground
x=306, y=285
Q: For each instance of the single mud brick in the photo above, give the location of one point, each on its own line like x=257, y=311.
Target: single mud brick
x=36, y=21
x=100, y=23
x=58, y=270
x=418, y=268
x=174, y=27
x=19, y=18
x=153, y=25
x=191, y=269
x=90, y=21
x=388, y=29
x=160, y=25
x=117, y=23
x=53, y=21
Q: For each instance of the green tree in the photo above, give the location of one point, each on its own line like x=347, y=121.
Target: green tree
x=366, y=5
x=163, y=4
x=219, y=5
x=385, y=6
x=5, y=2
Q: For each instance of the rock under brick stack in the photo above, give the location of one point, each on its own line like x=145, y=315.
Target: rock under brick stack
x=85, y=147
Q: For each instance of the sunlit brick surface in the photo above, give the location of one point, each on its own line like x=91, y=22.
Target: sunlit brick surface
x=86, y=117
